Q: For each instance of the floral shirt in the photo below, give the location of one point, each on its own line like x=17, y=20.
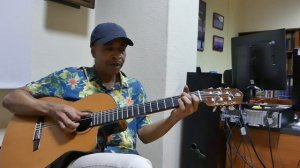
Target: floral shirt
x=76, y=83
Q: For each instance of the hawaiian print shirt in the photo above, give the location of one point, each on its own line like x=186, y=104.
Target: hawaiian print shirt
x=76, y=83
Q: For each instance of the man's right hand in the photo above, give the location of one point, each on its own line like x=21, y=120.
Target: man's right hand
x=21, y=102
x=66, y=116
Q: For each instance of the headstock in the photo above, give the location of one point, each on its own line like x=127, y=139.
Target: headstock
x=220, y=96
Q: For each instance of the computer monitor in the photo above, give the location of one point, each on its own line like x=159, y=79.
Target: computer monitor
x=260, y=58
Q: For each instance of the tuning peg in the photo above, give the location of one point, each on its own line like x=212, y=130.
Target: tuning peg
x=215, y=108
x=223, y=108
x=231, y=107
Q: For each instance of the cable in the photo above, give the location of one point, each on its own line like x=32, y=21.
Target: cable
x=228, y=133
x=250, y=140
x=270, y=144
x=236, y=149
x=248, y=150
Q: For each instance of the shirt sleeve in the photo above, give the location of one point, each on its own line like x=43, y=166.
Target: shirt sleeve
x=51, y=85
x=143, y=121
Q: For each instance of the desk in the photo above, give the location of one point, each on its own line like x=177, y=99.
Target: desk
x=285, y=148
x=285, y=144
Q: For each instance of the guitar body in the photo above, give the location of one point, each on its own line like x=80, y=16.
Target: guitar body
x=17, y=147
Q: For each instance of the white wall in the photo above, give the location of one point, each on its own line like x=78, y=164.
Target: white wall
x=60, y=37
x=16, y=42
x=181, y=58
x=271, y=14
x=208, y=59
x=232, y=10
x=164, y=34
x=51, y=36
x=146, y=24
x=41, y=37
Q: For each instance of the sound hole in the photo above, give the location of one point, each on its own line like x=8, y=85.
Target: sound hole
x=84, y=124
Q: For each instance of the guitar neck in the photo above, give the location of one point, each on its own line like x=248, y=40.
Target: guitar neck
x=141, y=109
x=211, y=97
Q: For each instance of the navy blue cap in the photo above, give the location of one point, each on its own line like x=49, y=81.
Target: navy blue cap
x=106, y=32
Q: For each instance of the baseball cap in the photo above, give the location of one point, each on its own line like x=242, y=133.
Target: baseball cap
x=106, y=32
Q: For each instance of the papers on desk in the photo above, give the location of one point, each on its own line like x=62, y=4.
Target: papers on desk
x=296, y=125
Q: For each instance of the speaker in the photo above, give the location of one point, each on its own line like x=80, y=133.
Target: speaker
x=203, y=143
x=227, y=78
x=296, y=80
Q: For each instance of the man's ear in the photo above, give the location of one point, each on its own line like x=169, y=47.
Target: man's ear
x=93, y=51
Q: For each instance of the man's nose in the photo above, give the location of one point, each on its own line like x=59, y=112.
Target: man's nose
x=117, y=54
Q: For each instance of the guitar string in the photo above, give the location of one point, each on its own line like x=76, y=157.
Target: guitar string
x=146, y=105
x=105, y=114
x=112, y=111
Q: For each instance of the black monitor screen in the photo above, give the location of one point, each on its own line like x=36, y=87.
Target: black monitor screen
x=260, y=58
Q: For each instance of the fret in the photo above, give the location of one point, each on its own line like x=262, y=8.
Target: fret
x=168, y=103
x=108, y=116
x=96, y=119
x=118, y=113
x=157, y=105
x=138, y=109
x=113, y=115
x=144, y=108
x=127, y=111
x=92, y=119
x=147, y=108
x=132, y=110
x=150, y=107
x=122, y=113
x=161, y=105
x=172, y=101
x=101, y=116
x=153, y=106
x=165, y=103
x=199, y=94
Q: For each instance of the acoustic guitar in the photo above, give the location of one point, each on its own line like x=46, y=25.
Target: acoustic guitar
x=35, y=142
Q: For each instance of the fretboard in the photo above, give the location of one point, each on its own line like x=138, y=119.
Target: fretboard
x=141, y=109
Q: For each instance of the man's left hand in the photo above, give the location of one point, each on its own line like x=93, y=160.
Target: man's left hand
x=188, y=104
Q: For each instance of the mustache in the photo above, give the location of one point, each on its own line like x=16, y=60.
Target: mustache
x=116, y=63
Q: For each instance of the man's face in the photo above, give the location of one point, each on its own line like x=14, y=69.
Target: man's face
x=109, y=58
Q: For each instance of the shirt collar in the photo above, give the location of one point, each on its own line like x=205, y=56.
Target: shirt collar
x=91, y=75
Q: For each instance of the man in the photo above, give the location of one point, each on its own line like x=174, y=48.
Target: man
x=108, y=44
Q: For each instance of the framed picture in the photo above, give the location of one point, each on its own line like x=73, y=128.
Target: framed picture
x=218, y=21
x=218, y=43
x=201, y=25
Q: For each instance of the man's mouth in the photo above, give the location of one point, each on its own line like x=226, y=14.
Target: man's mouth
x=116, y=64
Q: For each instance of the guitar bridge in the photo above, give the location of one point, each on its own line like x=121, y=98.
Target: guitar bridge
x=37, y=133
